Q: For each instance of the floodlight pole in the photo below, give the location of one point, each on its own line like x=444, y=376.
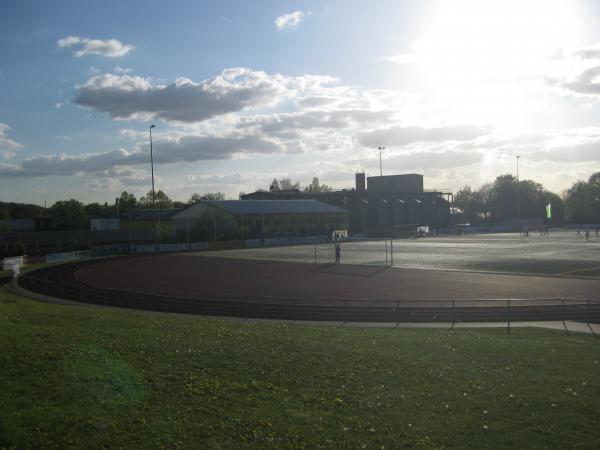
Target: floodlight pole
x=518, y=193
x=380, y=165
x=152, y=165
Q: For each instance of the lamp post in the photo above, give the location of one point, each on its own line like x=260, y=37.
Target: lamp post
x=152, y=166
x=383, y=200
x=380, y=165
x=402, y=217
x=365, y=205
x=411, y=209
x=518, y=193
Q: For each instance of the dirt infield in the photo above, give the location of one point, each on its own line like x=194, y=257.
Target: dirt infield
x=192, y=275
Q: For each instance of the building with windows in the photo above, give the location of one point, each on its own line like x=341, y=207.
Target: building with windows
x=381, y=205
x=259, y=219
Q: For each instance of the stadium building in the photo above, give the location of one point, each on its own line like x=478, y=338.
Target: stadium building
x=259, y=219
x=380, y=205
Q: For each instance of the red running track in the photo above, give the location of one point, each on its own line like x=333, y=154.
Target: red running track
x=193, y=275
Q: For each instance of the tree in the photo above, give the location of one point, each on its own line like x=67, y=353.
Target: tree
x=94, y=210
x=22, y=210
x=285, y=184
x=4, y=220
x=465, y=200
x=582, y=201
x=314, y=186
x=68, y=215
x=505, y=199
x=162, y=201
x=474, y=205
x=195, y=198
x=127, y=201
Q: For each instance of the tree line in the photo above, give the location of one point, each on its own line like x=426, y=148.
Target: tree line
x=503, y=199
x=286, y=184
x=75, y=215
x=507, y=199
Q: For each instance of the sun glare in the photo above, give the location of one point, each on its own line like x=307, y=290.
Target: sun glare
x=475, y=56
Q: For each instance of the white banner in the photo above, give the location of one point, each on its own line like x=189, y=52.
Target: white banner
x=10, y=263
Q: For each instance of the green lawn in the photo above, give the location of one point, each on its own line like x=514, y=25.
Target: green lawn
x=73, y=377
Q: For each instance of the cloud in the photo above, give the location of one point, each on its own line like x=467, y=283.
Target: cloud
x=5, y=142
x=426, y=160
x=592, y=52
x=403, y=59
x=131, y=97
x=111, y=48
x=584, y=83
x=315, y=101
x=186, y=148
x=399, y=136
x=294, y=123
x=125, y=176
x=192, y=148
x=7, y=146
x=580, y=75
x=119, y=69
x=290, y=20
x=581, y=152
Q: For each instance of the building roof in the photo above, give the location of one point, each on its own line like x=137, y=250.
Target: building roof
x=275, y=206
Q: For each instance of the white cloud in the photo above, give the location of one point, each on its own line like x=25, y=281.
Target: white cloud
x=405, y=135
x=111, y=48
x=591, y=52
x=119, y=69
x=7, y=146
x=294, y=123
x=425, y=160
x=132, y=134
x=132, y=97
x=290, y=20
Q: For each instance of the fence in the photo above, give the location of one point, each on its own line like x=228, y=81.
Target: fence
x=367, y=252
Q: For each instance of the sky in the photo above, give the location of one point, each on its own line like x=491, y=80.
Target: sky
x=243, y=92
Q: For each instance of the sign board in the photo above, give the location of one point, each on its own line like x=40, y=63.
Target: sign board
x=339, y=235
x=9, y=263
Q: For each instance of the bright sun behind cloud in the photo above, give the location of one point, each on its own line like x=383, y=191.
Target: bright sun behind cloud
x=475, y=57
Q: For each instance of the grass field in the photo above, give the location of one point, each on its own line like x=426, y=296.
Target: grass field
x=73, y=377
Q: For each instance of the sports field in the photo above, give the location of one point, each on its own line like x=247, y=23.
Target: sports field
x=562, y=253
